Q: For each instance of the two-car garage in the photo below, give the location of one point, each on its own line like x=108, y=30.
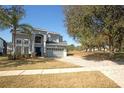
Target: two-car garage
x=56, y=52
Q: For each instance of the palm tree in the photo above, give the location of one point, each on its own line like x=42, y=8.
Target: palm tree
x=10, y=17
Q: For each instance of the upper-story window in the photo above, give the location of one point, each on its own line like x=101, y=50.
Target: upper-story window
x=57, y=40
x=49, y=37
x=37, y=39
x=26, y=42
x=18, y=41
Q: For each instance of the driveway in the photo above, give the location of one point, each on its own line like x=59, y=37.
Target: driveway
x=88, y=63
x=111, y=69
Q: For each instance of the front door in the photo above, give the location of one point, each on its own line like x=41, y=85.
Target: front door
x=38, y=51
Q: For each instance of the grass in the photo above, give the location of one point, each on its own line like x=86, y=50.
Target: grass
x=79, y=53
x=89, y=79
x=36, y=63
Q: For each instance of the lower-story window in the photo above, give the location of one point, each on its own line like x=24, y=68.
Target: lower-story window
x=26, y=50
x=18, y=49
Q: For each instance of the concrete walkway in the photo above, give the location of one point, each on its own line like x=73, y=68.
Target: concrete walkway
x=42, y=71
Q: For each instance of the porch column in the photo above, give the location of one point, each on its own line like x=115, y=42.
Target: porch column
x=22, y=52
x=33, y=42
x=13, y=49
x=44, y=43
x=65, y=52
x=30, y=46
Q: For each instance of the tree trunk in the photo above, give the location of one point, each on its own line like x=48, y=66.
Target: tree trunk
x=120, y=45
x=111, y=47
x=104, y=49
x=98, y=48
x=93, y=49
x=14, y=44
x=86, y=49
x=90, y=49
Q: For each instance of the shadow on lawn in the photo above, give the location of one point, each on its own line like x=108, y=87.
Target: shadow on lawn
x=15, y=63
x=99, y=57
x=70, y=54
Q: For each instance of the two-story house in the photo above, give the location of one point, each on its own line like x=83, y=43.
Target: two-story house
x=40, y=42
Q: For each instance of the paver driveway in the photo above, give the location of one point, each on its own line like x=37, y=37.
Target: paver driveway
x=111, y=69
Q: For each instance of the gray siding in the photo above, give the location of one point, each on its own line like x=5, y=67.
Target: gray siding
x=22, y=36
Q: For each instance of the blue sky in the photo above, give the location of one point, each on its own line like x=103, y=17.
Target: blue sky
x=50, y=18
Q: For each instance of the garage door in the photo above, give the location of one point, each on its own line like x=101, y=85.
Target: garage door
x=55, y=52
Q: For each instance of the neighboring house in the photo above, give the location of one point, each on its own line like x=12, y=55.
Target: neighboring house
x=3, y=47
x=42, y=43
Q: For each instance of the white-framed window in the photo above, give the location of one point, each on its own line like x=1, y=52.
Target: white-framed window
x=57, y=40
x=26, y=41
x=18, y=49
x=38, y=39
x=19, y=41
x=26, y=50
x=49, y=35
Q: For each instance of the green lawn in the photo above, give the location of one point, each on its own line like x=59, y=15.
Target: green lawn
x=36, y=63
x=67, y=80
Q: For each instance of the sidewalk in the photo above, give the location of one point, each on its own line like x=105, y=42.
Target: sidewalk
x=116, y=73
x=43, y=71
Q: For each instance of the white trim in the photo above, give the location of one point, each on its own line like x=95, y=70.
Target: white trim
x=24, y=49
x=26, y=44
x=18, y=39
